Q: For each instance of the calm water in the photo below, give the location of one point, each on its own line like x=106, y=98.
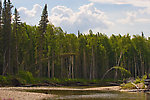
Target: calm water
x=95, y=95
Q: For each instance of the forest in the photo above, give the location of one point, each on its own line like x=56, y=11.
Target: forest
x=47, y=51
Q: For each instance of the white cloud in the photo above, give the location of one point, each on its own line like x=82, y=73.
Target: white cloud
x=138, y=3
x=88, y=17
x=132, y=18
x=30, y=16
x=143, y=20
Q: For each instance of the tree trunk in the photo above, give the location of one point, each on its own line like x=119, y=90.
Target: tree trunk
x=69, y=67
x=91, y=71
x=17, y=60
x=84, y=65
x=93, y=60
x=72, y=63
x=48, y=72
x=92, y=68
x=135, y=67
x=118, y=64
x=40, y=69
x=4, y=63
x=9, y=60
x=53, y=65
x=39, y=61
x=76, y=67
x=149, y=70
x=61, y=67
x=142, y=64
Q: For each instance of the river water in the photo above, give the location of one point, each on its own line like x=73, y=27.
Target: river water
x=94, y=95
x=97, y=95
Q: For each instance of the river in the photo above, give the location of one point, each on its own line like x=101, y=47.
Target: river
x=95, y=95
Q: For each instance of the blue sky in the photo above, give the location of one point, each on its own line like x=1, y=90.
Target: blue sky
x=106, y=16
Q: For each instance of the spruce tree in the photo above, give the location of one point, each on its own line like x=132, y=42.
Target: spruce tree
x=0, y=17
x=41, y=40
x=15, y=38
x=6, y=19
x=44, y=20
x=1, y=47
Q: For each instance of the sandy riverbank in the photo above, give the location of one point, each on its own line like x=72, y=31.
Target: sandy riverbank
x=16, y=93
x=12, y=94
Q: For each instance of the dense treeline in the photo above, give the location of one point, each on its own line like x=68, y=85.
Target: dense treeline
x=47, y=51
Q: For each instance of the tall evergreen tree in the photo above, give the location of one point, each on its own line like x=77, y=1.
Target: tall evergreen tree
x=44, y=20
x=1, y=47
x=41, y=40
x=6, y=18
x=15, y=38
x=0, y=18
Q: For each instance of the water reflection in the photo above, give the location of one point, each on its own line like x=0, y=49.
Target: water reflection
x=147, y=96
x=96, y=95
x=93, y=95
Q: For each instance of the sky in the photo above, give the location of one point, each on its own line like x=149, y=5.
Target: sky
x=105, y=16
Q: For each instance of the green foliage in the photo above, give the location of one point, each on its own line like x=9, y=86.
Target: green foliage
x=3, y=80
x=128, y=86
x=123, y=70
x=137, y=80
x=143, y=78
x=44, y=52
x=25, y=77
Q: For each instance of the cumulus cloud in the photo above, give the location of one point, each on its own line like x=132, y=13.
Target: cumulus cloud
x=30, y=16
x=138, y=3
x=88, y=17
x=132, y=18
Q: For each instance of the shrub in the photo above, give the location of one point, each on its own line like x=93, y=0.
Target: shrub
x=26, y=75
x=137, y=80
x=128, y=86
x=143, y=78
x=3, y=80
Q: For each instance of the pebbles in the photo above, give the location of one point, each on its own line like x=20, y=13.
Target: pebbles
x=18, y=95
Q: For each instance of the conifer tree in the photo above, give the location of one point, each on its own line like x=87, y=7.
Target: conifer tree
x=0, y=17
x=15, y=38
x=41, y=40
x=44, y=20
x=1, y=47
x=6, y=18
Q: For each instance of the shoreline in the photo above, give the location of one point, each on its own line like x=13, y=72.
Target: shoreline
x=7, y=93
x=107, y=88
x=17, y=93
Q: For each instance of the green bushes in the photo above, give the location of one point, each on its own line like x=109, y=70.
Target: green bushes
x=25, y=77
x=137, y=80
x=143, y=78
x=128, y=86
x=3, y=80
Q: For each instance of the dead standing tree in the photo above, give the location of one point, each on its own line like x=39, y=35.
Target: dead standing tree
x=67, y=65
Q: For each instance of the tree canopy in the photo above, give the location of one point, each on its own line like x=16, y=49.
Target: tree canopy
x=48, y=51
